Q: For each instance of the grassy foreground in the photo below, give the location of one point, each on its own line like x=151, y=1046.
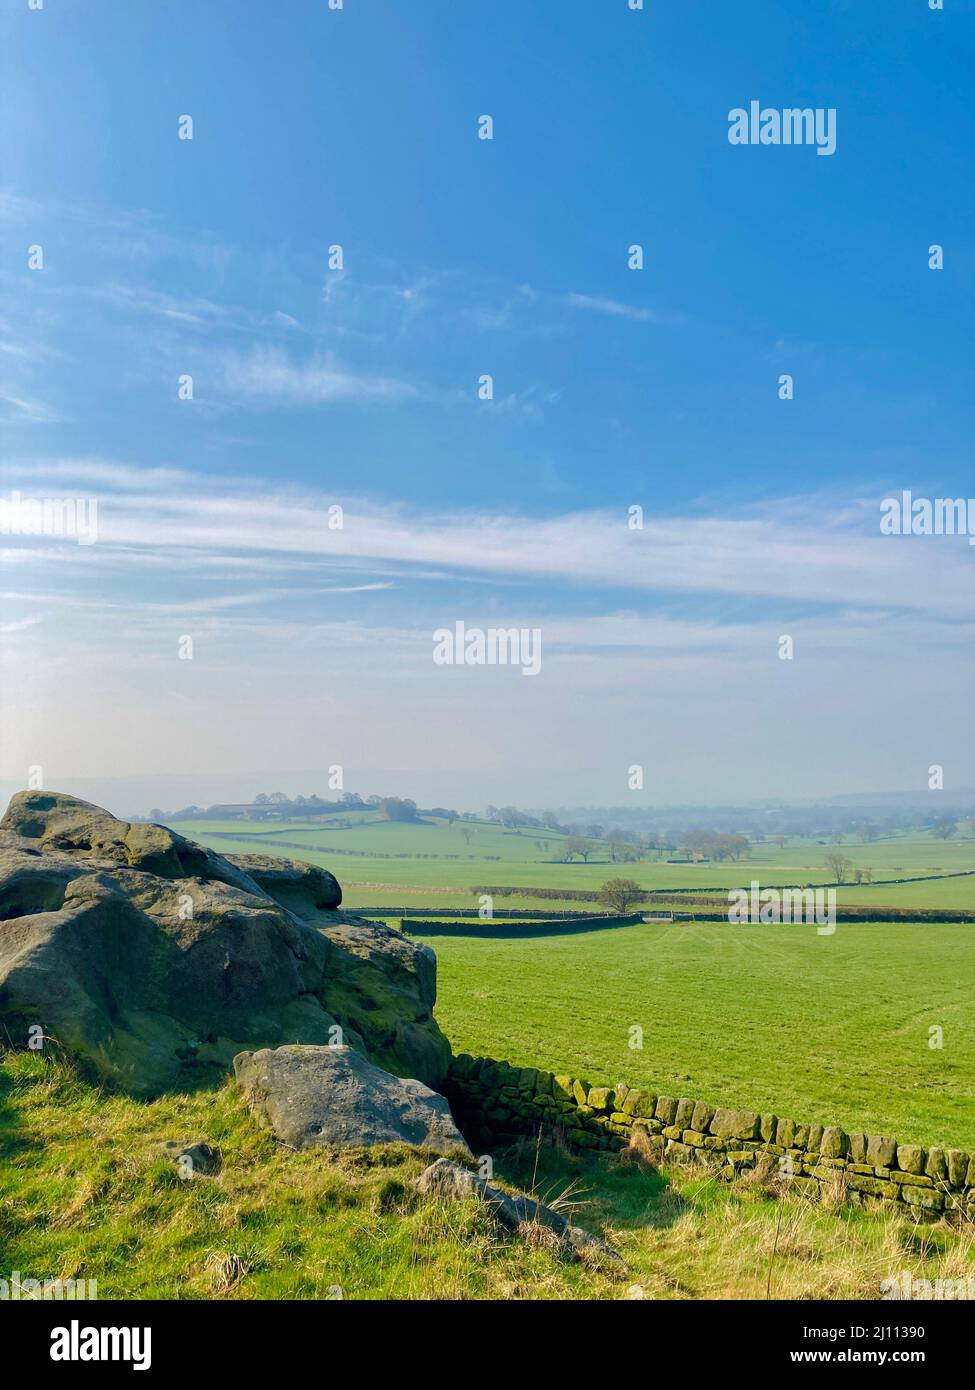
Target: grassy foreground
x=833, y=1029
x=84, y=1194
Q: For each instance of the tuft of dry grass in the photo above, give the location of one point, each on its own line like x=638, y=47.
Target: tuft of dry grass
x=225, y=1270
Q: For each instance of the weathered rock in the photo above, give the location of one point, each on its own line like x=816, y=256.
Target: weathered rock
x=456, y=1183
x=910, y=1158
x=834, y=1142
x=923, y=1197
x=957, y=1166
x=702, y=1116
x=735, y=1124
x=154, y=961
x=310, y=1096
x=304, y=888
x=639, y=1104
x=910, y=1179
x=881, y=1152
x=685, y=1109
x=785, y=1133
x=875, y=1186
x=936, y=1166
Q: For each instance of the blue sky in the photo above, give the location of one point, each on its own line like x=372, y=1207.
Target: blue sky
x=613, y=387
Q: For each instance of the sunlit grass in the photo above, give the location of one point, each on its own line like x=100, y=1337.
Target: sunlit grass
x=829, y=1029
x=86, y=1195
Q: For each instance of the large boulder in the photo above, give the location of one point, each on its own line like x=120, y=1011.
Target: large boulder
x=310, y=1096
x=154, y=961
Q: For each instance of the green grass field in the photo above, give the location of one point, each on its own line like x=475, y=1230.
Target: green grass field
x=828, y=1029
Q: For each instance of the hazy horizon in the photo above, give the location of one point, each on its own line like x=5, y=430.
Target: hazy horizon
x=138, y=794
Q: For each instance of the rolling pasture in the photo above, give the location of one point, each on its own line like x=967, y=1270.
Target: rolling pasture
x=434, y=864
x=832, y=1029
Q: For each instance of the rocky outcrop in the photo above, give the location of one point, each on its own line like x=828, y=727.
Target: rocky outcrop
x=313, y=1096
x=154, y=960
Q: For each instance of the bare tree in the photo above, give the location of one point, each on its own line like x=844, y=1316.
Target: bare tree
x=620, y=894
x=839, y=866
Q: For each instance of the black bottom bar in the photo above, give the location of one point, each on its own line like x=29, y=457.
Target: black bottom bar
x=749, y=1339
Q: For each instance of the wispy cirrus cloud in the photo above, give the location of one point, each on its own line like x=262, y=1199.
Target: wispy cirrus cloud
x=615, y=308
x=414, y=322
x=23, y=411
x=271, y=375
x=809, y=550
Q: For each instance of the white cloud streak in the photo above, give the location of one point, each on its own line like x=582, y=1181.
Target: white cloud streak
x=812, y=550
x=270, y=375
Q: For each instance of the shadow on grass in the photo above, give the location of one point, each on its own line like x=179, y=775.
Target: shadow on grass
x=421, y=928
x=597, y=1191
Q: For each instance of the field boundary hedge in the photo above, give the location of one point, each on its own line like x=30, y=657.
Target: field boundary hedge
x=516, y=890
x=494, y=1101
x=440, y=915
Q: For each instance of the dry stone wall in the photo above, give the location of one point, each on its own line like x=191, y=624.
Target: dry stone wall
x=494, y=1101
